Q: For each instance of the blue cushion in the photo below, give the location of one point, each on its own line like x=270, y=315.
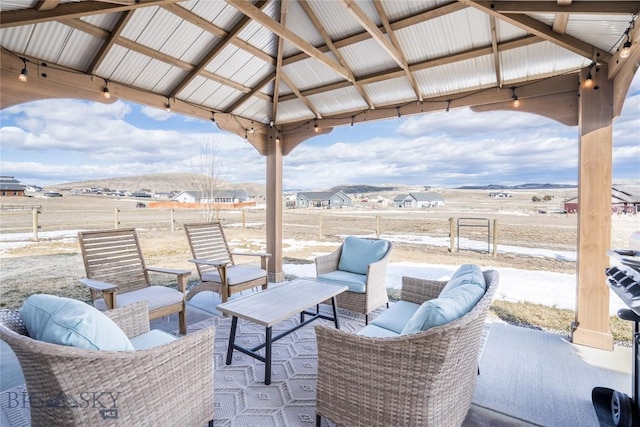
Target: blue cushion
x=397, y=316
x=66, y=321
x=356, y=282
x=374, y=331
x=358, y=253
x=457, y=298
x=153, y=338
x=466, y=274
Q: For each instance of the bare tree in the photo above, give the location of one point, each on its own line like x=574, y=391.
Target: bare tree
x=208, y=180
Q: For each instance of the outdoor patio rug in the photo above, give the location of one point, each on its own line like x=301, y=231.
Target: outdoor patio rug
x=242, y=398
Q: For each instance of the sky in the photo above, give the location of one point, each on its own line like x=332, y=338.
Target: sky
x=534, y=286
x=59, y=141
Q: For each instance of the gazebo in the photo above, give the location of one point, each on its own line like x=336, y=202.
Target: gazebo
x=280, y=72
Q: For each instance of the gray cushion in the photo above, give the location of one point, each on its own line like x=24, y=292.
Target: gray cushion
x=153, y=338
x=236, y=274
x=156, y=296
x=374, y=331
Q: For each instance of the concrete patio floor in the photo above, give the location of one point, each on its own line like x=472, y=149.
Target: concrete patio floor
x=527, y=377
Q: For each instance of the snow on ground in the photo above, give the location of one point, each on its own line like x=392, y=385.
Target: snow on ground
x=538, y=287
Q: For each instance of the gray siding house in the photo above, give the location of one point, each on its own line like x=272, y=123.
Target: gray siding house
x=418, y=200
x=323, y=199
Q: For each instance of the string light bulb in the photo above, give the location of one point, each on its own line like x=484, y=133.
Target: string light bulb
x=626, y=49
x=448, y=106
x=315, y=126
x=516, y=101
x=168, y=106
x=589, y=81
x=24, y=73
x=105, y=90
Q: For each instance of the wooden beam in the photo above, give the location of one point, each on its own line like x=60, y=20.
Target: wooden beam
x=213, y=52
x=495, y=52
x=542, y=30
x=108, y=44
x=591, y=325
x=396, y=43
x=329, y=43
x=607, y=7
x=370, y=27
x=18, y=17
x=560, y=22
x=275, y=27
x=43, y=5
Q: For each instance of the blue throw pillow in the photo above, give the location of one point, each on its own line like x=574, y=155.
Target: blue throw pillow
x=358, y=253
x=66, y=321
x=465, y=275
x=444, y=309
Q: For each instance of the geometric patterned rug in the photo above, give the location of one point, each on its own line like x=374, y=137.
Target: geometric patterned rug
x=241, y=397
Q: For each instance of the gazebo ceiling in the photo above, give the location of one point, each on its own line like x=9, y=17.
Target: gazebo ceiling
x=304, y=65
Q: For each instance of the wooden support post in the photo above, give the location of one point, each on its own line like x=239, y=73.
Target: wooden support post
x=34, y=217
x=452, y=233
x=495, y=237
x=274, y=205
x=116, y=219
x=591, y=325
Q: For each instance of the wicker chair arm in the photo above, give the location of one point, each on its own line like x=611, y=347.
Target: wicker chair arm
x=420, y=290
x=328, y=263
x=133, y=319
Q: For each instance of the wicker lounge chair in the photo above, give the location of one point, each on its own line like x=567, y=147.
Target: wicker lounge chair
x=423, y=379
x=168, y=385
x=375, y=290
x=117, y=275
x=216, y=266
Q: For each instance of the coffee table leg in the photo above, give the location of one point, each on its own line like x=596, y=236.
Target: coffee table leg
x=232, y=339
x=335, y=312
x=267, y=358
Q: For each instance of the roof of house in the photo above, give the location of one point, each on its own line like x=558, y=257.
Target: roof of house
x=321, y=195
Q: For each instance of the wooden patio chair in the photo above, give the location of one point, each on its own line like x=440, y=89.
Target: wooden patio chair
x=158, y=386
x=117, y=275
x=215, y=262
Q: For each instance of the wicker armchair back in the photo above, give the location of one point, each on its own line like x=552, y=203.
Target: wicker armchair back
x=422, y=379
x=168, y=385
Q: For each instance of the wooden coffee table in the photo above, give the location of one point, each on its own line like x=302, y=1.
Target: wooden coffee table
x=272, y=306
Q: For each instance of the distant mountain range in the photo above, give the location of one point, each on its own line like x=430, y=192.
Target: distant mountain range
x=516, y=187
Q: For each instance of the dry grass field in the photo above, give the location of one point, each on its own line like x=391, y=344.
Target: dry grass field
x=53, y=265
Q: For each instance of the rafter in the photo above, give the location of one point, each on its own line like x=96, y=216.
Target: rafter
x=540, y=29
x=111, y=40
x=14, y=18
x=494, y=49
x=435, y=62
x=46, y=5
x=377, y=35
x=275, y=27
x=215, y=50
x=284, y=6
x=394, y=40
x=329, y=44
x=609, y=7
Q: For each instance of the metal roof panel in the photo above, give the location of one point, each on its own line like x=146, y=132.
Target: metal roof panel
x=337, y=101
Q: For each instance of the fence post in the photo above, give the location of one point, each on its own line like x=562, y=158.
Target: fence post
x=378, y=226
x=172, y=221
x=116, y=219
x=34, y=214
x=495, y=237
x=452, y=233
x=320, y=226
x=243, y=219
